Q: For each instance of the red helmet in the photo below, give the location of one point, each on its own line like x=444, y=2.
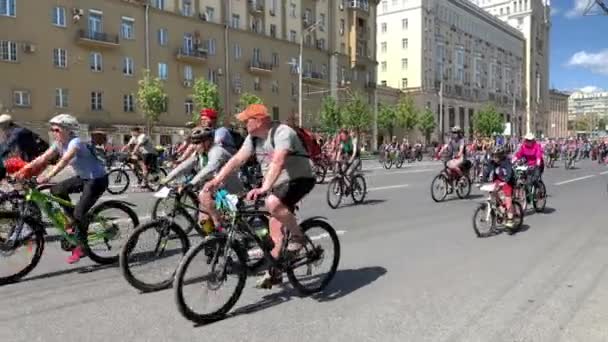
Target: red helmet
x=209, y=113
x=13, y=165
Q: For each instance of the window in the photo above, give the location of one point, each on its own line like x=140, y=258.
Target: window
x=7, y=8
x=383, y=27
x=383, y=47
x=96, y=61
x=61, y=98
x=163, y=37
x=292, y=36
x=189, y=106
x=210, y=11
x=60, y=58
x=186, y=8
x=95, y=23
x=22, y=98
x=256, y=84
x=238, y=52
x=235, y=22
x=404, y=43
x=403, y=83
x=292, y=9
x=128, y=104
x=404, y=63
x=188, y=75
x=160, y=4
x=383, y=66
x=256, y=55
x=8, y=51
x=273, y=7
x=96, y=100
x=162, y=71
x=324, y=71
x=384, y=6
x=212, y=76
x=273, y=30
x=322, y=22
x=58, y=16
x=275, y=59
x=211, y=47
x=126, y=28
x=342, y=27
x=127, y=66
x=395, y=3
x=275, y=87
x=383, y=83
x=404, y=24
x=188, y=43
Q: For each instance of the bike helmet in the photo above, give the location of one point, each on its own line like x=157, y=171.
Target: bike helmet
x=66, y=121
x=200, y=134
x=456, y=129
x=499, y=152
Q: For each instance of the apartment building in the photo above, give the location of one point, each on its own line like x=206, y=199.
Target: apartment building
x=558, y=114
x=533, y=19
x=452, y=57
x=593, y=103
x=85, y=57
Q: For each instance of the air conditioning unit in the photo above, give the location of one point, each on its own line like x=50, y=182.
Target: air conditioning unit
x=29, y=48
x=202, y=16
x=187, y=83
x=78, y=11
x=341, y=6
x=237, y=90
x=272, y=13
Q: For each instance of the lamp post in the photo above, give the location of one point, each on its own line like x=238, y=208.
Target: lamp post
x=309, y=29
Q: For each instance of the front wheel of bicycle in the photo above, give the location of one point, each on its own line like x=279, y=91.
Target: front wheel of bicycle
x=359, y=189
x=388, y=163
x=463, y=187
x=118, y=181
x=439, y=188
x=540, y=197
x=484, y=222
x=19, y=258
x=206, y=269
x=155, y=177
x=163, y=207
x=335, y=191
x=320, y=171
x=322, y=248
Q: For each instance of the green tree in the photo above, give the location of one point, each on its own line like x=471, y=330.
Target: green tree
x=330, y=116
x=601, y=125
x=205, y=94
x=487, y=122
x=152, y=99
x=407, y=114
x=582, y=124
x=247, y=99
x=357, y=115
x=387, y=118
x=426, y=124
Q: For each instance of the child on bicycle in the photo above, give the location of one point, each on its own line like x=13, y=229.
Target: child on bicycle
x=501, y=170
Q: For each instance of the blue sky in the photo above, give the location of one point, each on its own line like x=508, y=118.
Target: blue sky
x=579, y=47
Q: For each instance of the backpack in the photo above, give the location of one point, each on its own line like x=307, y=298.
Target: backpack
x=312, y=147
x=237, y=138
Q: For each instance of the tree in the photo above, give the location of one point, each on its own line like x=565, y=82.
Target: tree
x=601, y=124
x=152, y=99
x=407, y=114
x=488, y=122
x=426, y=124
x=205, y=94
x=357, y=115
x=387, y=118
x=582, y=124
x=330, y=116
x=247, y=99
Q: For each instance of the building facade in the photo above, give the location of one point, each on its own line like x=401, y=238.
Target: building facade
x=580, y=104
x=452, y=57
x=533, y=19
x=557, y=123
x=85, y=57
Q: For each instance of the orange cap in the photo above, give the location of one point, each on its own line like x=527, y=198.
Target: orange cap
x=253, y=111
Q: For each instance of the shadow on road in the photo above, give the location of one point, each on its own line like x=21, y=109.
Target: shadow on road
x=366, y=202
x=82, y=269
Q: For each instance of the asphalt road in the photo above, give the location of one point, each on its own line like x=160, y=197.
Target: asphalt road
x=411, y=270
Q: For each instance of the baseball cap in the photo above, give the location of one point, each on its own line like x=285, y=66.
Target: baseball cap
x=5, y=118
x=253, y=111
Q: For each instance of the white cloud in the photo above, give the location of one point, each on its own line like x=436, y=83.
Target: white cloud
x=595, y=62
x=590, y=89
x=555, y=11
x=579, y=8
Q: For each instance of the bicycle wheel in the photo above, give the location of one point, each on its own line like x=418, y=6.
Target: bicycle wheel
x=399, y=162
x=463, y=188
x=155, y=177
x=215, y=267
x=388, y=163
x=108, y=223
x=320, y=171
x=118, y=181
x=19, y=259
x=164, y=206
x=152, y=253
x=335, y=190
x=439, y=188
x=484, y=223
x=518, y=215
x=322, y=244
x=359, y=189
x=540, y=197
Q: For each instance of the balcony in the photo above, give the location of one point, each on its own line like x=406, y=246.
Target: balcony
x=258, y=67
x=255, y=7
x=359, y=5
x=313, y=77
x=191, y=55
x=97, y=39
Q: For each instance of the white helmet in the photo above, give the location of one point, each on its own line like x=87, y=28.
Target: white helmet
x=66, y=121
x=5, y=119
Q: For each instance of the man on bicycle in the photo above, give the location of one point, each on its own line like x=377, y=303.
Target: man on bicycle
x=288, y=177
x=457, y=149
x=348, y=151
x=91, y=178
x=143, y=151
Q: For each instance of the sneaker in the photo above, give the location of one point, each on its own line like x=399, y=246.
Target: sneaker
x=269, y=279
x=77, y=253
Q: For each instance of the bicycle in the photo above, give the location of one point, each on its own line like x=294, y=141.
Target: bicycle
x=529, y=192
x=448, y=181
x=119, y=179
x=25, y=228
x=494, y=212
x=226, y=258
x=570, y=160
x=344, y=185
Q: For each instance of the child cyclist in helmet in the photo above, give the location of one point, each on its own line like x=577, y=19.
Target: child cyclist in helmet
x=91, y=178
x=501, y=170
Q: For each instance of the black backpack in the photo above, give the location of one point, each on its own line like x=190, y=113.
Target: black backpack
x=237, y=138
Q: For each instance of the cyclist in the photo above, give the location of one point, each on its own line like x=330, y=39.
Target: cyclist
x=571, y=148
x=142, y=145
x=91, y=178
x=223, y=136
x=19, y=141
x=348, y=151
x=533, y=152
x=457, y=149
x=501, y=170
x=288, y=177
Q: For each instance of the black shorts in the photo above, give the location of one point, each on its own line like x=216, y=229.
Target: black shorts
x=150, y=159
x=292, y=192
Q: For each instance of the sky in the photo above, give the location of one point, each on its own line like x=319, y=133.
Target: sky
x=579, y=47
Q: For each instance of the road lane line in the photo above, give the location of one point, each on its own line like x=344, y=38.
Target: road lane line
x=603, y=173
x=114, y=197
x=574, y=180
x=324, y=235
x=388, y=187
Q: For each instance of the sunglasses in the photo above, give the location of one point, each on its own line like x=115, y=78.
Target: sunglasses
x=55, y=130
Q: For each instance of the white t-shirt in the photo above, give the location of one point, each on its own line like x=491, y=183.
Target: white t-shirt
x=145, y=145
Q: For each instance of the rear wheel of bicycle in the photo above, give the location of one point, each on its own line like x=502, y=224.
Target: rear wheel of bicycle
x=439, y=188
x=359, y=189
x=165, y=206
x=335, y=191
x=16, y=261
x=484, y=223
x=540, y=197
x=518, y=215
x=399, y=162
x=118, y=181
x=152, y=253
x=206, y=269
x=463, y=187
x=388, y=162
x=109, y=225
x=320, y=172
x=322, y=248
x=155, y=177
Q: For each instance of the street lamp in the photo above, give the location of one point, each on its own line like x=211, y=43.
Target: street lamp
x=309, y=29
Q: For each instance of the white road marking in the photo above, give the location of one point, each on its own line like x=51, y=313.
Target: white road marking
x=388, y=187
x=574, y=180
x=114, y=197
x=603, y=173
x=324, y=235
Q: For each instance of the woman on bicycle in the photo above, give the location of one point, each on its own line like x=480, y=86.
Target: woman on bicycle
x=91, y=178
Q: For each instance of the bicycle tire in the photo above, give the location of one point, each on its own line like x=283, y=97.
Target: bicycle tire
x=355, y=180
x=400, y=161
x=119, y=174
x=37, y=236
x=103, y=260
x=190, y=217
x=388, y=163
x=293, y=279
x=481, y=211
x=165, y=228
x=468, y=188
x=336, y=181
x=320, y=172
x=518, y=215
x=154, y=179
x=540, y=187
x=179, y=282
x=439, y=178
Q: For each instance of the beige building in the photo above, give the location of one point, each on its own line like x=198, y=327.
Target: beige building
x=85, y=57
x=557, y=123
x=454, y=53
x=585, y=103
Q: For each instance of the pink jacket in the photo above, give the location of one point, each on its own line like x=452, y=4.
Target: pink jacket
x=532, y=154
